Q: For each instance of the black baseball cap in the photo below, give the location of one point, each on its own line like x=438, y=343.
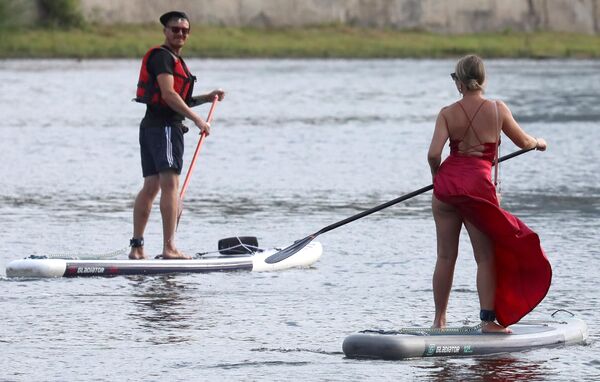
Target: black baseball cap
x=164, y=19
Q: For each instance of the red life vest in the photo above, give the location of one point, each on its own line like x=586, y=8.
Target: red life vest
x=148, y=90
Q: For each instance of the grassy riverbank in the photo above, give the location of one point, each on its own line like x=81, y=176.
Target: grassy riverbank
x=315, y=42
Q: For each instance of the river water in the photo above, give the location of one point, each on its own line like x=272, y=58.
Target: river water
x=295, y=146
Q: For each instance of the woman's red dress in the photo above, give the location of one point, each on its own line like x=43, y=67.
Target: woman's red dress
x=523, y=272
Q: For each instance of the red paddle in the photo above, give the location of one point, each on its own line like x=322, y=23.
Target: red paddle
x=194, y=158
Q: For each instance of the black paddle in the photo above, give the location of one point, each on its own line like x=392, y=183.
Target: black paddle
x=299, y=244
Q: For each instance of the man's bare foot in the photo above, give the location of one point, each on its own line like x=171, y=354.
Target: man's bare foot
x=175, y=255
x=492, y=327
x=137, y=253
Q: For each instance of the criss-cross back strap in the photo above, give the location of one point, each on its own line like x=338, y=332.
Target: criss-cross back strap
x=470, y=126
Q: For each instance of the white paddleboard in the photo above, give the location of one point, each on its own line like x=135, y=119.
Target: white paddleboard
x=40, y=268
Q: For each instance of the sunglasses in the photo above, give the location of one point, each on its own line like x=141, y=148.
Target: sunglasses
x=454, y=76
x=176, y=30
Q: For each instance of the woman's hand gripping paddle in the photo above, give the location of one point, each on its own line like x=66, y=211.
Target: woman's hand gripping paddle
x=299, y=244
x=194, y=158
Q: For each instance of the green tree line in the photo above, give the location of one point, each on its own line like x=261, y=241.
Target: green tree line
x=49, y=13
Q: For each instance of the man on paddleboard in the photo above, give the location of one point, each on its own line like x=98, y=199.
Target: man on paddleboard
x=165, y=86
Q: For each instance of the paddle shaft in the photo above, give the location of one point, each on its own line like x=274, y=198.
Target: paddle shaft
x=196, y=152
x=299, y=244
x=399, y=199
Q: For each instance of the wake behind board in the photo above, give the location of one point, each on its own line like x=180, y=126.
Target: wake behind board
x=424, y=342
x=40, y=268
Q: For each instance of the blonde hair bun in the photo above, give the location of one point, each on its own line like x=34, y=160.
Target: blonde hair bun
x=471, y=72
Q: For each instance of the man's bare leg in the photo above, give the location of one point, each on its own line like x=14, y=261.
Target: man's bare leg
x=169, y=208
x=141, y=212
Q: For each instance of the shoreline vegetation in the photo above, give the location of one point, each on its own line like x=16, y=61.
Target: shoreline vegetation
x=332, y=41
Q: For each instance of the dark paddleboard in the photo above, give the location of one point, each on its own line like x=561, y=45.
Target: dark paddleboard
x=467, y=341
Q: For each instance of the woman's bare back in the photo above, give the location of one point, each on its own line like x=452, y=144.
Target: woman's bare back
x=472, y=123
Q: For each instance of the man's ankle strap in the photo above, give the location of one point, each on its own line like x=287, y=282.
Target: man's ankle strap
x=136, y=243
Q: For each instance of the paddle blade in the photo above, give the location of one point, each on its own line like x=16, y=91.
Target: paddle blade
x=289, y=251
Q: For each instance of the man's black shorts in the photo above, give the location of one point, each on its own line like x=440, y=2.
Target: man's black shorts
x=161, y=149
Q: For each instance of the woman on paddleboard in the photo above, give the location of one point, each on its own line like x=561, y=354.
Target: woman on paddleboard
x=513, y=273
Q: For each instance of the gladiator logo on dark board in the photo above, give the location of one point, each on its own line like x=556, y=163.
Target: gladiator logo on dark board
x=433, y=349
x=430, y=350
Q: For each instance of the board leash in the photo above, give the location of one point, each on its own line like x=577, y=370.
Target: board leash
x=84, y=256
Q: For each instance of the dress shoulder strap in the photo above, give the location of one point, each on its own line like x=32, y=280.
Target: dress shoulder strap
x=497, y=151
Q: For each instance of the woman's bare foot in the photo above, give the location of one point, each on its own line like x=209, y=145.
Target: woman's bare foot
x=439, y=321
x=137, y=253
x=175, y=255
x=492, y=327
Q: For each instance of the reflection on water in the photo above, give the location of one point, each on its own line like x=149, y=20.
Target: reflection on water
x=164, y=308
x=489, y=368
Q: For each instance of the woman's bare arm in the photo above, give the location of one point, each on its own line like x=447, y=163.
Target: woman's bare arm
x=440, y=136
x=515, y=133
